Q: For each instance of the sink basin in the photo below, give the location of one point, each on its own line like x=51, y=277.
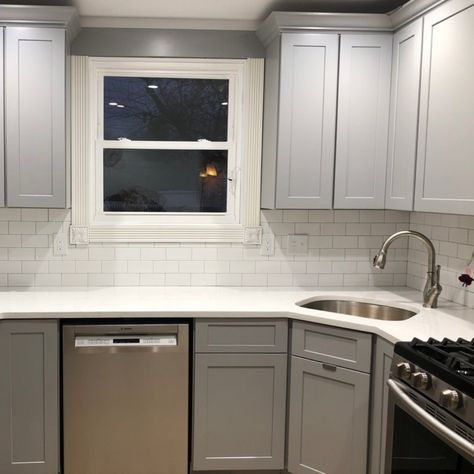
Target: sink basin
x=360, y=308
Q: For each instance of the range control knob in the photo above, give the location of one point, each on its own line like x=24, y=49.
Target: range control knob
x=421, y=380
x=404, y=370
x=450, y=399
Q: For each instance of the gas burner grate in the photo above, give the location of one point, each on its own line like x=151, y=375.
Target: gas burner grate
x=452, y=361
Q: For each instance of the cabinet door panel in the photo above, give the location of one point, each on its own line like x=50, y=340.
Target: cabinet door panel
x=35, y=117
x=446, y=139
x=406, y=68
x=379, y=410
x=239, y=411
x=29, y=399
x=328, y=419
x=363, y=107
x=308, y=92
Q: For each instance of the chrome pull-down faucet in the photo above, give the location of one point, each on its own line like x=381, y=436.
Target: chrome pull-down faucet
x=432, y=288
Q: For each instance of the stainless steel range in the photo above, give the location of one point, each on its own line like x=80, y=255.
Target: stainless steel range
x=431, y=408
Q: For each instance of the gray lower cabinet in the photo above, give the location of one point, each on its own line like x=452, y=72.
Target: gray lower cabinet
x=328, y=419
x=239, y=411
x=29, y=397
x=379, y=409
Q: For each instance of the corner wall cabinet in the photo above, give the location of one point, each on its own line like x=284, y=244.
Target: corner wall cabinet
x=329, y=403
x=239, y=394
x=29, y=397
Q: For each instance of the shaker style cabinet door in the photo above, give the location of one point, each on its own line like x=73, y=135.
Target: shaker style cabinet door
x=379, y=407
x=239, y=412
x=329, y=417
x=300, y=121
x=35, y=117
x=446, y=140
x=362, y=125
x=403, y=124
x=307, y=120
x=29, y=397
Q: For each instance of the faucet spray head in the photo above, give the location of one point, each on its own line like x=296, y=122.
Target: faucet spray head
x=380, y=259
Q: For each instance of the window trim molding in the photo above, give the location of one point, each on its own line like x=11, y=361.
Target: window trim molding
x=84, y=229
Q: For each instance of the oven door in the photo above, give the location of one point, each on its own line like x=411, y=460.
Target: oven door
x=417, y=442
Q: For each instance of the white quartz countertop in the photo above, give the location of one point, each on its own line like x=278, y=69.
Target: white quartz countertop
x=449, y=320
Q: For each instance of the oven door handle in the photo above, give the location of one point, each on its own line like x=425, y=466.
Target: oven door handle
x=457, y=442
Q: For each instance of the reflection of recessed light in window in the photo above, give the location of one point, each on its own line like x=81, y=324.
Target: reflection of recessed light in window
x=225, y=103
x=120, y=106
x=113, y=104
x=152, y=86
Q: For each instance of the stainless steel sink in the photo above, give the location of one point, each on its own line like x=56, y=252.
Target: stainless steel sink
x=360, y=308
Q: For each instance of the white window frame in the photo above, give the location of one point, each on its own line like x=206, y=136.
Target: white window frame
x=241, y=222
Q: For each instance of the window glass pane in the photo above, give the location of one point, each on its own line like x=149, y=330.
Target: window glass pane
x=165, y=180
x=165, y=109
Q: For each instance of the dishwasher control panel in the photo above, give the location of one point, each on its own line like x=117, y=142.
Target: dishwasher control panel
x=126, y=340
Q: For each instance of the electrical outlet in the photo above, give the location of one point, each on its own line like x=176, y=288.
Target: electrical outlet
x=297, y=244
x=60, y=245
x=268, y=244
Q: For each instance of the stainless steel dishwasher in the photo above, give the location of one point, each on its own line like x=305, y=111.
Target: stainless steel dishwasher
x=125, y=399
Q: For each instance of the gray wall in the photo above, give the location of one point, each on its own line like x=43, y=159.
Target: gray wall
x=134, y=42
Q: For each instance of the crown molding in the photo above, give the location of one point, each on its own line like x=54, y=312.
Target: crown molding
x=167, y=23
x=52, y=16
x=278, y=22
x=412, y=10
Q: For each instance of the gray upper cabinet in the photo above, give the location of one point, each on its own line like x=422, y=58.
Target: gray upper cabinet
x=35, y=117
x=362, y=127
x=383, y=355
x=403, y=124
x=328, y=421
x=446, y=140
x=29, y=397
x=300, y=121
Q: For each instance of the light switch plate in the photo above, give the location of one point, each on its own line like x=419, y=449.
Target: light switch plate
x=297, y=244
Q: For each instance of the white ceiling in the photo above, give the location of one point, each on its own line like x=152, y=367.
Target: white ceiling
x=223, y=9
x=235, y=10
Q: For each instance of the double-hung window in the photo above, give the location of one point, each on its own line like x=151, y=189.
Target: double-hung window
x=168, y=150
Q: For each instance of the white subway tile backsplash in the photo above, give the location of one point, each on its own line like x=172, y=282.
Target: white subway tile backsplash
x=48, y=279
x=139, y=266
x=89, y=266
x=341, y=244
x=101, y=279
x=75, y=279
x=34, y=215
x=10, y=214
x=453, y=238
